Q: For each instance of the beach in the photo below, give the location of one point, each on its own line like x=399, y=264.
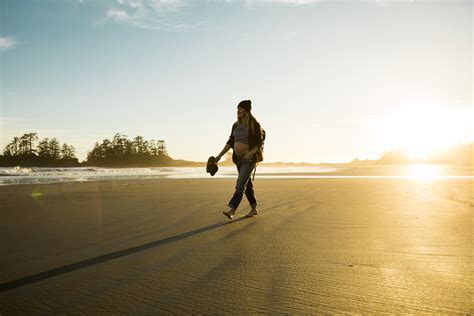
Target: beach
x=163, y=246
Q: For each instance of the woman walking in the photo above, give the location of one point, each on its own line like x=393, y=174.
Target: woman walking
x=246, y=142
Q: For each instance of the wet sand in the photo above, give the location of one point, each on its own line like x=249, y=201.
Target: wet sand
x=163, y=246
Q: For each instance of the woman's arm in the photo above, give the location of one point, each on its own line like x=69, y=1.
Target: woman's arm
x=228, y=145
x=224, y=150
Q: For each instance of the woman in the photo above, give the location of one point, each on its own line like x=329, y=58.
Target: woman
x=245, y=140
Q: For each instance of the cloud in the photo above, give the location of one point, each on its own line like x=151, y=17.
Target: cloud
x=135, y=5
x=118, y=15
x=149, y=14
x=166, y=5
x=284, y=2
x=168, y=15
x=174, y=15
x=7, y=43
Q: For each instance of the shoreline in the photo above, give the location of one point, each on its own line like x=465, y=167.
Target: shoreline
x=53, y=175
x=448, y=178
x=260, y=178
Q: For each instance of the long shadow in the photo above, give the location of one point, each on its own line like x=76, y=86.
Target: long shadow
x=114, y=255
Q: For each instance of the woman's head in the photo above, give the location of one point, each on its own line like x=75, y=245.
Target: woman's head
x=243, y=111
x=245, y=104
x=244, y=115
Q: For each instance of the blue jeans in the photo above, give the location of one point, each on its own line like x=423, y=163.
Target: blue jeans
x=244, y=183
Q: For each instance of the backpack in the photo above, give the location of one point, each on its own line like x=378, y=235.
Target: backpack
x=259, y=153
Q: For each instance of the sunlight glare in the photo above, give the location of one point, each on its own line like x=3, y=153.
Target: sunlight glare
x=425, y=172
x=422, y=130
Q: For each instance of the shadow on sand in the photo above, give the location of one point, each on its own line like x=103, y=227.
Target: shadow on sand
x=100, y=259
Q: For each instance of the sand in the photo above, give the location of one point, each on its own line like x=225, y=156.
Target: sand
x=163, y=246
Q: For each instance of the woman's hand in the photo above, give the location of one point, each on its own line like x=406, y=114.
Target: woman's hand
x=248, y=156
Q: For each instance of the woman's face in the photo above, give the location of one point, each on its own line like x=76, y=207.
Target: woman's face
x=240, y=112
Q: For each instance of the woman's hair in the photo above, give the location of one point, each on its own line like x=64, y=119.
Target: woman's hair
x=248, y=120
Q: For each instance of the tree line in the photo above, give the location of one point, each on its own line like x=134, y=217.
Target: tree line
x=121, y=151
x=461, y=155
x=28, y=150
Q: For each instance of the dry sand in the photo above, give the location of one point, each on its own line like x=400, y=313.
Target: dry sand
x=163, y=246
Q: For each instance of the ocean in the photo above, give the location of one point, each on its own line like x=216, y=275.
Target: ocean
x=37, y=175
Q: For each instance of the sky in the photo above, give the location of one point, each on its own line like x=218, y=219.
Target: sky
x=329, y=81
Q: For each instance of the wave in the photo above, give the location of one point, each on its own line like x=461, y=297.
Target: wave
x=21, y=175
x=14, y=171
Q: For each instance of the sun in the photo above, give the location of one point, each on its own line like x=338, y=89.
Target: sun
x=424, y=172
x=420, y=131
